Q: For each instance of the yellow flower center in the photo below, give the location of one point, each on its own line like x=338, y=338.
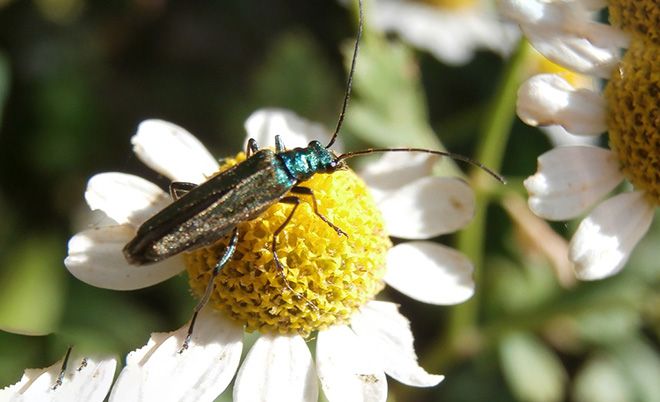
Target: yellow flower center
x=637, y=17
x=328, y=277
x=450, y=4
x=633, y=99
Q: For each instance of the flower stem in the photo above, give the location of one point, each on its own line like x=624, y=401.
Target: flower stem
x=463, y=321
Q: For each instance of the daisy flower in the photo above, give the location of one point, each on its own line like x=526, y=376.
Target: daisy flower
x=452, y=30
x=571, y=180
x=84, y=380
x=358, y=339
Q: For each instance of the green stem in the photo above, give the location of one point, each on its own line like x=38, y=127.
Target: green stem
x=463, y=320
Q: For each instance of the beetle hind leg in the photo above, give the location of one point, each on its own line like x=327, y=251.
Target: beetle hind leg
x=210, y=286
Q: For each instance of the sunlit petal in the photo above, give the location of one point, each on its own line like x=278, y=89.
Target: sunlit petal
x=604, y=240
x=430, y=273
x=125, y=198
x=380, y=325
x=347, y=370
x=173, y=152
x=278, y=368
x=160, y=371
x=96, y=257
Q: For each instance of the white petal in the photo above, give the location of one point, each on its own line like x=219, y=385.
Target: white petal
x=348, y=372
x=396, y=169
x=380, y=325
x=264, y=124
x=548, y=99
x=575, y=53
x=173, y=152
x=83, y=382
x=158, y=372
x=96, y=257
x=428, y=207
x=558, y=137
x=604, y=240
x=430, y=273
x=569, y=180
x=564, y=32
x=125, y=198
x=277, y=369
x=452, y=35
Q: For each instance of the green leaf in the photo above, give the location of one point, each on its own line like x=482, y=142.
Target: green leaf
x=601, y=380
x=641, y=365
x=32, y=287
x=388, y=106
x=531, y=369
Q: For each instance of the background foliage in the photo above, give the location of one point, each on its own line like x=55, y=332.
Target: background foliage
x=76, y=77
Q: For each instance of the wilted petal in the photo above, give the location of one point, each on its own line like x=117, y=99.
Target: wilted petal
x=278, y=368
x=548, y=99
x=173, y=152
x=604, y=240
x=430, y=273
x=264, y=124
x=85, y=380
x=394, y=170
x=348, y=372
x=96, y=257
x=380, y=325
x=570, y=180
x=159, y=372
x=125, y=198
x=432, y=205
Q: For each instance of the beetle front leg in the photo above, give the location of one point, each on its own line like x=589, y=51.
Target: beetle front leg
x=295, y=201
x=210, y=286
x=252, y=147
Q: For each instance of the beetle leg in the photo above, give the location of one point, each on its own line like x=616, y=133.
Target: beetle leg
x=279, y=145
x=180, y=188
x=295, y=201
x=252, y=147
x=65, y=362
x=308, y=191
x=231, y=247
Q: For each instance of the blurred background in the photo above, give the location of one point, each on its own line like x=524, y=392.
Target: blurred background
x=77, y=77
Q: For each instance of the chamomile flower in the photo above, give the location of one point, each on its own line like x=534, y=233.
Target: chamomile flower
x=84, y=380
x=452, y=30
x=358, y=340
x=571, y=180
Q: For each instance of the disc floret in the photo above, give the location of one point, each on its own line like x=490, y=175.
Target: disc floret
x=328, y=277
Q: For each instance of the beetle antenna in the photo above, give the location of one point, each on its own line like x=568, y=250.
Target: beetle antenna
x=428, y=151
x=349, y=83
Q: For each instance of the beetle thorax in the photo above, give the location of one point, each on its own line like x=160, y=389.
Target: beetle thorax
x=303, y=163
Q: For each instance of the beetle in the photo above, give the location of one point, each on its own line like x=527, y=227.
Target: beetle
x=200, y=215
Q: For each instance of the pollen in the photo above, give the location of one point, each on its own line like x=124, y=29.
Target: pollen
x=633, y=99
x=325, y=277
x=637, y=17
